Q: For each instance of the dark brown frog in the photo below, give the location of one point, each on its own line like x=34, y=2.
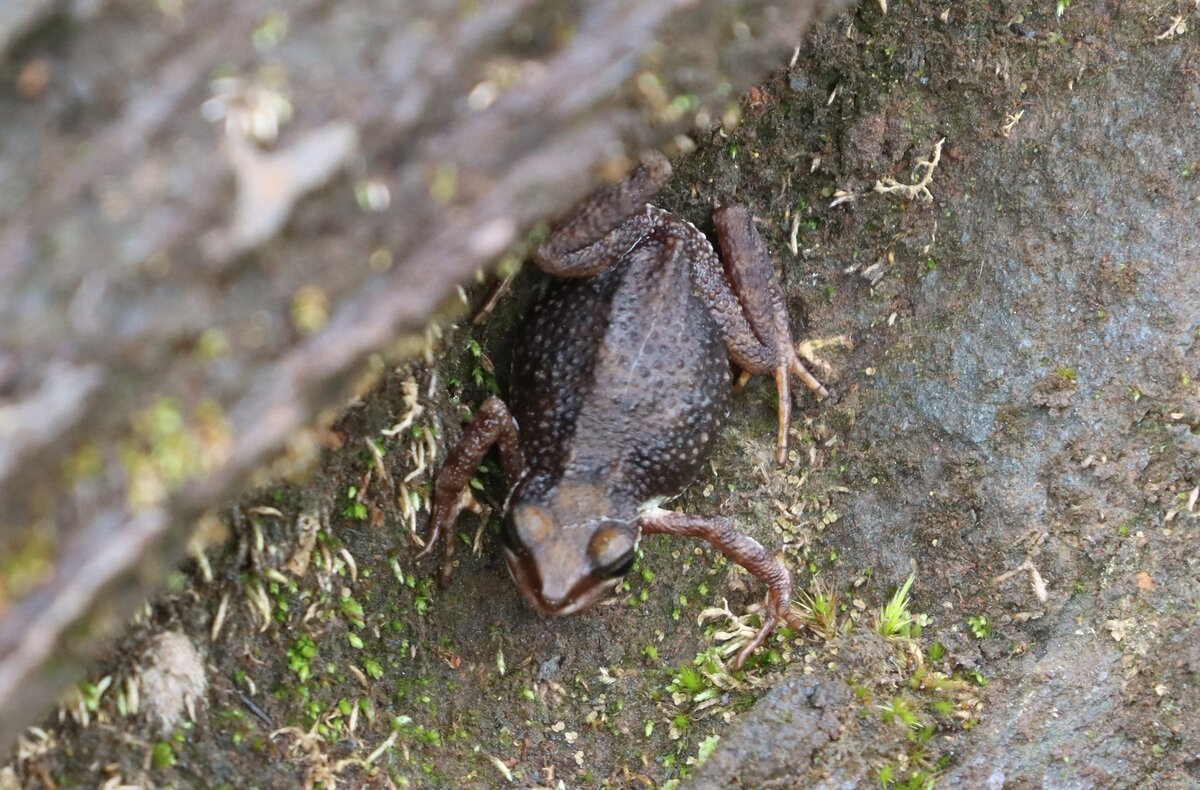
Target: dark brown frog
x=621, y=385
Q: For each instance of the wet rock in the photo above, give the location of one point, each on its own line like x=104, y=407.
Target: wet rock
x=774, y=745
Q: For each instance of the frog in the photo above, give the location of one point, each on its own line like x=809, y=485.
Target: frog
x=621, y=384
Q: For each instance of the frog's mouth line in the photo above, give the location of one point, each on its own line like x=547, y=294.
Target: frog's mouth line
x=589, y=589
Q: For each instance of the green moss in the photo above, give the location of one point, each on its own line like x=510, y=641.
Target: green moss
x=300, y=656
x=979, y=626
x=162, y=756
x=895, y=619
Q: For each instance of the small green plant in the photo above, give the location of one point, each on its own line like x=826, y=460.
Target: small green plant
x=423, y=595
x=373, y=668
x=484, y=372
x=688, y=679
x=162, y=755
x=300, y=656
x=895, y=620
x=706, y=748
x=354, y=509
x=1061, y=7
x=92, y=693
x=901, y=710
x=415, y=733
x=980, y=626
x=942, y=707
x=818, y=610
x=353, y=611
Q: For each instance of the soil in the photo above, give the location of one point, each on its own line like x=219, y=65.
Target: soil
x=1016, y=425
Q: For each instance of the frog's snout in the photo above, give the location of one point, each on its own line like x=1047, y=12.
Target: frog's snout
x=556, y=600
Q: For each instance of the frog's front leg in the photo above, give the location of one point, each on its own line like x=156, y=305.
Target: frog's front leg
x=745, y=551
x=745, y=297
x=493, y=425
x=602, y=229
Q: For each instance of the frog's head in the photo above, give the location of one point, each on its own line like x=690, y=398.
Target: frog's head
x=565, y=567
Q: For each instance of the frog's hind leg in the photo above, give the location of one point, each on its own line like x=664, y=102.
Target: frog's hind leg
x=493, y=425
x=745, y=551
x=602, y=229
x=748, y=303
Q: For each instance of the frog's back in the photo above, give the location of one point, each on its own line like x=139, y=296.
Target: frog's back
x=621, y=379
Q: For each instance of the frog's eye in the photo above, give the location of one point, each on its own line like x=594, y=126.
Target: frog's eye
x=613, y=550
x=527, y=526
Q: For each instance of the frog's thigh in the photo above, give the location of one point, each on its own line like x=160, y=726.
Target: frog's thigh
x=600, y=230
x=743, y=297
x=765, y=338
x=751, y=277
